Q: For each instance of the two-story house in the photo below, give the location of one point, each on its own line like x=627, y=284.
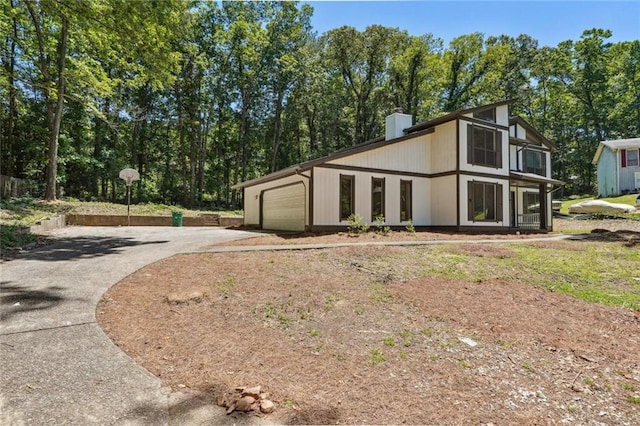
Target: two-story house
x=476, y=169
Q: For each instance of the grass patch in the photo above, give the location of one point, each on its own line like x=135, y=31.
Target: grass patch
x=600, y=272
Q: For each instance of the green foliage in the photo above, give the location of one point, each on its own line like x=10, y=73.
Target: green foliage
x=15, y=236
x=212, y=94
x=389, y=341
x=410, y=228
x=377, y=357
x=357, y=225
x=380, y=227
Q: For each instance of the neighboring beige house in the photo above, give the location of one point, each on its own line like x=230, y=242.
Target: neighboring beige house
x=474, y=169
x=618, y=166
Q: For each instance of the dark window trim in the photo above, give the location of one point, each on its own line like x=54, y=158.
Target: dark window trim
x=409, y=202
x=530, y=169
x=498, y=200
x=480, y=115
x=382, y=201
x=352, y=179
x=497, y=147
x=637, y=162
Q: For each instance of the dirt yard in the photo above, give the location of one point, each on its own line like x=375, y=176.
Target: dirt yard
x=363, y=335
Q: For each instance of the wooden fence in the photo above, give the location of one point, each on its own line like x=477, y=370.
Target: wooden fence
x=13, y=187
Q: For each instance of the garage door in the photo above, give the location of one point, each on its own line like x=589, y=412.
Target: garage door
x=283, y=209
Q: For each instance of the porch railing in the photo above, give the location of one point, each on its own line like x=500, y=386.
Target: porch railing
x=529, y=221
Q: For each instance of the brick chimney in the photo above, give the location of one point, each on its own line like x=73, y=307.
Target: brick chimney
x=396, y=123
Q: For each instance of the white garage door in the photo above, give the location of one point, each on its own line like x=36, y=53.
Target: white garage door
x=283, y=209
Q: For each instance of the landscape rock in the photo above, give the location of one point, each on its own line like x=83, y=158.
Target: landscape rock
x=267, y=406
x=246, y=403
x=252, y=391
x=181, y=298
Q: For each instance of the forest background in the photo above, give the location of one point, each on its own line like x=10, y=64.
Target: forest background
x=200, y=95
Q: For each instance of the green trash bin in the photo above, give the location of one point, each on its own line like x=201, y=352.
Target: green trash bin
x=176, y=218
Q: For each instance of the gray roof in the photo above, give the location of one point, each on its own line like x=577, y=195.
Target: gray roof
x=616, y=145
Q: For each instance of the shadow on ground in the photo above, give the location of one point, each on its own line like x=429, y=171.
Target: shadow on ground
x=82, y=248
x=628, y=238
x=16, y=299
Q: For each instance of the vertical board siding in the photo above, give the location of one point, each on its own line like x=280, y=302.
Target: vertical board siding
x=443, y=148
x=411, y=156
x=326, y=195
x=443, y=204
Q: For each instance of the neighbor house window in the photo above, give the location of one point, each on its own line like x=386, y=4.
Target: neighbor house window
x=632, y=158
x=377, y=197
x=484, y=146
x=485, y=201
x=487, y=115
x=534, y=162
x=405, y=200
x=347, y=196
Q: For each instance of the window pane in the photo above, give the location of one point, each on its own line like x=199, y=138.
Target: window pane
x=490, y=201
x=377, y=198
x=478, y=202
x=405, y=200
x=632, y=157
x=346, y=196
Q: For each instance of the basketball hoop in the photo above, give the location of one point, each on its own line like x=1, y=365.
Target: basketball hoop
x=129, y=175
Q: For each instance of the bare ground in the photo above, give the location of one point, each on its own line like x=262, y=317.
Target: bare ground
x=346, y=336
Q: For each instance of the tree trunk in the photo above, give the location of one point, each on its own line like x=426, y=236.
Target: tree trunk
x=54, y=114
x=277, y=130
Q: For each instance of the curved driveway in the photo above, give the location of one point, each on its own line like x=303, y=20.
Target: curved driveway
x=56, y=365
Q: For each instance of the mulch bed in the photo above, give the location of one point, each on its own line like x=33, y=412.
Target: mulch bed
x=343, y=336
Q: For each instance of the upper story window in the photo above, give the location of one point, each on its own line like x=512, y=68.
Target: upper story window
x=534, y=162
x=484, y=146
x=486, y=114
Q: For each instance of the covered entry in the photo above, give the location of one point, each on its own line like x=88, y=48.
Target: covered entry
x=284, y=208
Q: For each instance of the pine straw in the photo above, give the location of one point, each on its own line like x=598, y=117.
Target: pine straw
x=310, y=327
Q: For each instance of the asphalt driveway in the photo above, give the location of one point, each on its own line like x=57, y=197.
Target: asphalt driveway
x=56, y=364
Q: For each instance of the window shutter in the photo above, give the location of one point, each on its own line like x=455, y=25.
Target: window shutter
x=470, y=203
x=623, y=157
x=498, y=136
x=499, y=203
x=469, y=144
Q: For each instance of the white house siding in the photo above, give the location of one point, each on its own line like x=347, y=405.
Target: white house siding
x=628, y=178
x=502, y=115
x=443, y=148
x=513, y=157
x=252, y=197
x=326, y=197
x=464, y=205
x=410, y=156
x=443, y=203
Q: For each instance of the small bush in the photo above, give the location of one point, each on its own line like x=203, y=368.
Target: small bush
x=356, y=224
x=380, y=226
x=410, y=228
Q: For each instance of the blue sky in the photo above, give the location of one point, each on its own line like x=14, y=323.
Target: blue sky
x=549, y=22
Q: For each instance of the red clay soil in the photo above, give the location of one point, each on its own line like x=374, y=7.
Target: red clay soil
x=357, y=335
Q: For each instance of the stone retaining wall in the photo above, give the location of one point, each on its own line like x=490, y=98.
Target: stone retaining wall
x=101, y=220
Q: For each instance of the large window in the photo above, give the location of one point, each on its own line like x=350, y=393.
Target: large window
x=405, y=200
x=534, y=162
x=377, y=197
x=485, y=202
x=484, y=146
x=347, y=196
x=486, y=114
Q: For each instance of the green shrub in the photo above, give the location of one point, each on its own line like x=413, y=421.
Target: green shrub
x=356, y=224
